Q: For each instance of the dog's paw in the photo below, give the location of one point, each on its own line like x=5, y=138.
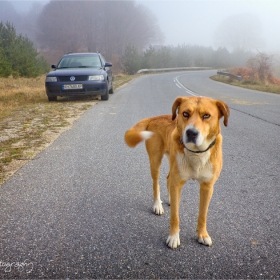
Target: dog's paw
x=205, y=240
x=173, y=241
x=158, y=209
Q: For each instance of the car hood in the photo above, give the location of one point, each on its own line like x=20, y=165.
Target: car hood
x=75, y=72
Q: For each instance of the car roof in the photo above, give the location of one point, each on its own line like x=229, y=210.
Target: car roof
x=85, y=54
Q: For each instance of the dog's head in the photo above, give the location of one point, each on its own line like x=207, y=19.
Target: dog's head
x=198, y=120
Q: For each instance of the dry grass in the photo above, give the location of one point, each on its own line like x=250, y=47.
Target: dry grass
x=122, y=79
x=14, y=93
x=29, y=123
x=257, y=85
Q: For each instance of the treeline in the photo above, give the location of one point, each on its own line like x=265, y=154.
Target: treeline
x=181, y=56
x=120, y=30
x=18, y=57
x=104, y=26
x=24, y=22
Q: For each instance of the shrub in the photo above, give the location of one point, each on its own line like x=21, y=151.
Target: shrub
x=245, y=72
x=131, y=60
x=261, y=65
x=259, y=71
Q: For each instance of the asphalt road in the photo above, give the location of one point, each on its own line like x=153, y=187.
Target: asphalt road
x=83, y=207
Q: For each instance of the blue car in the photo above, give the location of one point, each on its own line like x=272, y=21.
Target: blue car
x=80, y=74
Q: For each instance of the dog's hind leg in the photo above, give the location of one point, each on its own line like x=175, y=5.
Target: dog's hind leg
x=168, y=188
x=155, y=172
x=155, y=157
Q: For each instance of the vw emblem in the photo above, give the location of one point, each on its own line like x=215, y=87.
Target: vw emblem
x=72, y=78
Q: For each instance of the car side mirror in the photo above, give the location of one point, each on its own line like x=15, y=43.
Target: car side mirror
x=108, y=64
x=53, y=66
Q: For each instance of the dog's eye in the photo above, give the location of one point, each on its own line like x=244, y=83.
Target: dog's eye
x=206, y=116
x=186, y=114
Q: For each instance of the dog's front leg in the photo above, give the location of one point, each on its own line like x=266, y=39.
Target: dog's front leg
x=173, y=240
x=206, y=191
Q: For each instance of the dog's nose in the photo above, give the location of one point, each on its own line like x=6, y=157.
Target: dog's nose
x=191, y=134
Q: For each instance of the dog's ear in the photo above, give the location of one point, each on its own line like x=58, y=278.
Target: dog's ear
x=224, y=110
x=175, y=106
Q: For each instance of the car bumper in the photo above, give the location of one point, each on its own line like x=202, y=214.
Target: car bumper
x=56, y=89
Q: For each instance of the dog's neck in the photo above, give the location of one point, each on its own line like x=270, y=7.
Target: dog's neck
x=198, y=152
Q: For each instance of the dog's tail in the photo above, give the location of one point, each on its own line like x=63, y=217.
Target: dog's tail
x=138, y=133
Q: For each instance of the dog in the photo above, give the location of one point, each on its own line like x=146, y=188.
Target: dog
x=191, y=140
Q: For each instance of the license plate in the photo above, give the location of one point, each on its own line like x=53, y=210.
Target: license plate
x=74, y=86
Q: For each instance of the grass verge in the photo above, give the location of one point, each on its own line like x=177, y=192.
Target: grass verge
x=266, y=87
x=29, y=122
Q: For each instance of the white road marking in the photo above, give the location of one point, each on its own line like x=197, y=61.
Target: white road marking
x=186, y=89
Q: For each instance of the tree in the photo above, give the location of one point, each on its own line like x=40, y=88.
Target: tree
x=59, y=26
x=131, y=60
x=148, y=59
x=181, y=56
x=221, y=58
x=105, y=26
x=163, y=57
x=261, y=65
x=18, y=55
x=29, y=25
x=239, y=32
x=5, y=67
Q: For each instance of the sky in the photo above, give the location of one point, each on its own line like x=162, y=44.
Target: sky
x=196, y=21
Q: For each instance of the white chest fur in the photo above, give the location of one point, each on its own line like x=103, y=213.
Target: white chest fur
x=195, y=166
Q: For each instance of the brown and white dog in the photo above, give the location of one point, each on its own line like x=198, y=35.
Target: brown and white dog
x=192, y=141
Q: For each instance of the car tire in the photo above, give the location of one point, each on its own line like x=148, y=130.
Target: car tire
x=106, y=96
x=52, y=98
x=111, y=91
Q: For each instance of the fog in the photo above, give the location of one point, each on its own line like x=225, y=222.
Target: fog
x=197, y=22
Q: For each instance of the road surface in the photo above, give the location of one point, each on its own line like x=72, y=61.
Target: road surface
x=83, y=207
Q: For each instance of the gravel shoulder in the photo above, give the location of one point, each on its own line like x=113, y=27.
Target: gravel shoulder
x=28, y=131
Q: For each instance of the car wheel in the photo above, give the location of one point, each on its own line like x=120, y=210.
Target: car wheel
x=106, y=96
x=111, y=91
x=52, y=98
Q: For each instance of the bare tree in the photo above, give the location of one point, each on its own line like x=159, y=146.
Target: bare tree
x=261, y=66
x=30, y=21
x=105, y=26
x=91, y=25
x=59, y=26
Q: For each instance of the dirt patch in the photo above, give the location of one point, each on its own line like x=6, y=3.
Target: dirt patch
x=27, y=132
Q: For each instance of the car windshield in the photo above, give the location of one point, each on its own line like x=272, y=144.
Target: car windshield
x=82, y=61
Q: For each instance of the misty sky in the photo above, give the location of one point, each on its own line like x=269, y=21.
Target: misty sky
x=196, y=21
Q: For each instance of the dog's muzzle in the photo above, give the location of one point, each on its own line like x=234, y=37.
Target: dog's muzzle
x=192, y=135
